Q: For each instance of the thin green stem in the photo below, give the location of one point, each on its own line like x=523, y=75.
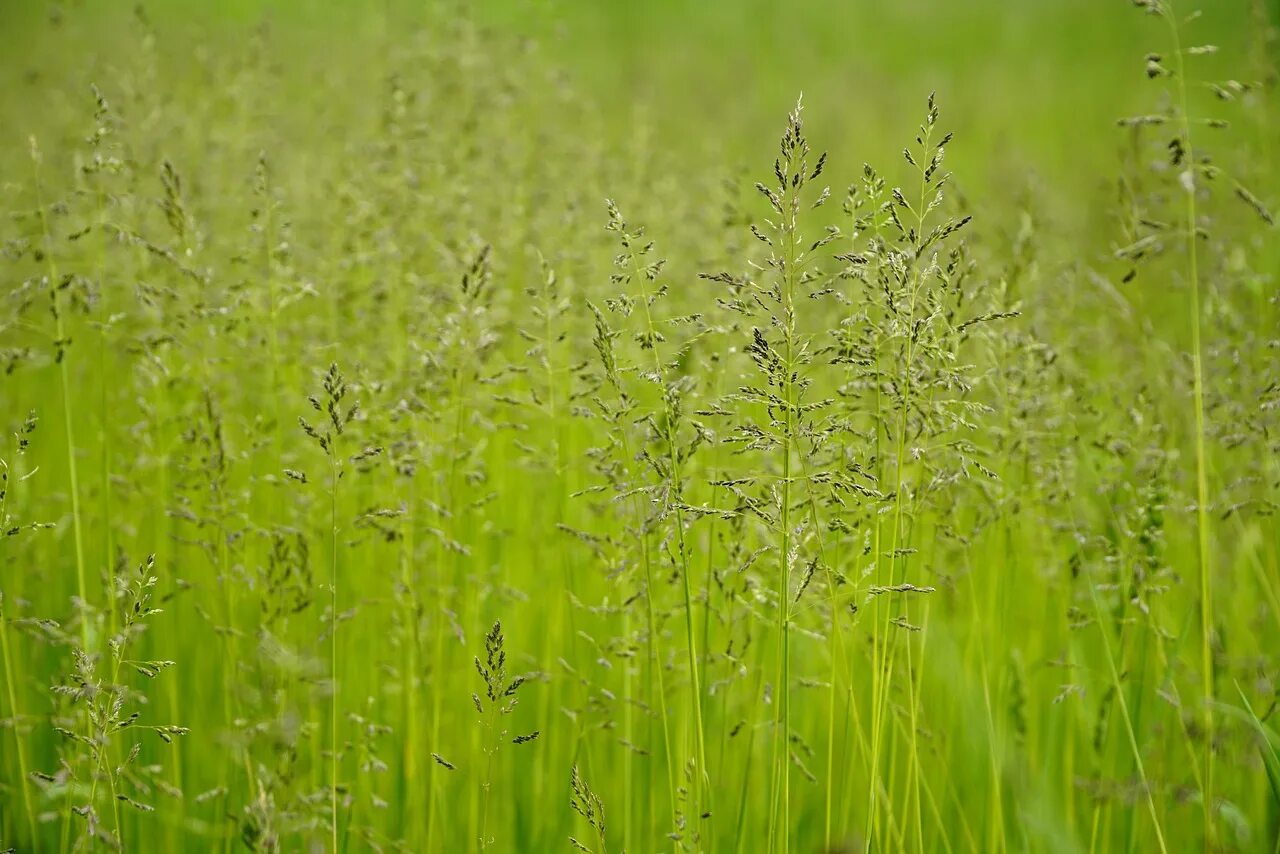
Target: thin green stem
x=782, y=736
x=1202, y=476
x=1119, y=693
x=334, y=703
x=702, y=781
x=15, y=710
x=68, y=419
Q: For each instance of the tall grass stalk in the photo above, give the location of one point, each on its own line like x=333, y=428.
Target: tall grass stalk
x=11, y=679
x=1203, y=531
x=15, y=712
x=10, y=674
x=61, y=344
x=702, y=780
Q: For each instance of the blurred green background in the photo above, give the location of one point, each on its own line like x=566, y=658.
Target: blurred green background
x=1032, y=88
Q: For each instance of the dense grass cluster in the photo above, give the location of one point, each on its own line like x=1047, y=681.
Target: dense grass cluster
x=370, y=482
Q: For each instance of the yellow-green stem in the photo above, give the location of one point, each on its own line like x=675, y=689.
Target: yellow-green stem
x=1202, y=476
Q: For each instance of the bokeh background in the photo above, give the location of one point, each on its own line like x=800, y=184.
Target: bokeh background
x=1033, y=89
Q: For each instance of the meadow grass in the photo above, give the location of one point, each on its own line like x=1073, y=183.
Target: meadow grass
x=460, y=434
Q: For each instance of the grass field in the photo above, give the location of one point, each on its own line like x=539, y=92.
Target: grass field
x=533, y=427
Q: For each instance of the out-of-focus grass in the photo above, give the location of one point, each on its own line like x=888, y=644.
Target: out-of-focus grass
x=1034, y=87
